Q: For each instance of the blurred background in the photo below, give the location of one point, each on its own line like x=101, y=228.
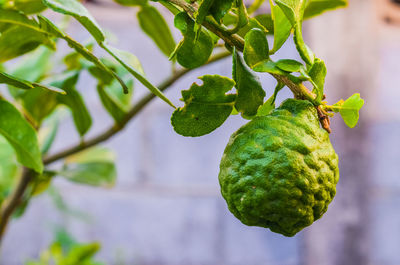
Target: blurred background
x=166, y=208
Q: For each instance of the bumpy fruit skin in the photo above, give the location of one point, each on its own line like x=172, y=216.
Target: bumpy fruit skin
x=280, y=171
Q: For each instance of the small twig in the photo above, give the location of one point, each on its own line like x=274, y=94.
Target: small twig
x=14, y=200
x=324, y=120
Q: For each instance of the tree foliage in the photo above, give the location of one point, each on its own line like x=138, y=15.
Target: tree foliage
x=39, y=95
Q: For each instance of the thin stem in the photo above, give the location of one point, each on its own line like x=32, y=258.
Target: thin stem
x=14, y=200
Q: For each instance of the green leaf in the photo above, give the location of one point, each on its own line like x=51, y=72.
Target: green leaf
x=130, y=62
x=94, y=154
x=268, y=66
x=252, y=24
x=317, y=74
x=18, y=40
x=294, y=11
x=114, y=101
x=40, y=184
x=8, y=168
x=24, y=84
x=79, y=12
x=154, y=25
x=38, y=103
x=250, y=92
x=34, y=66
x=49, y=27
x=255, y=6
x=269, y=105
x=29, y=6
x=193, y=51
x=256, y=47
x=289, y=65
x=82, y=254
x=206, y=106
x=316, y=7
x=74, y=101
x=349, y=109
x=45, y=26
x=20, y=134
x=265, y=20
x=94, y=174
x=93, y=167
x=220, y=8
x=203, y=10
x=282, y=27
x=131, y=2
x=112, y=106
x=48, y=132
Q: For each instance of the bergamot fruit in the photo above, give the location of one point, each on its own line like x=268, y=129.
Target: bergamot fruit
x=280, y=171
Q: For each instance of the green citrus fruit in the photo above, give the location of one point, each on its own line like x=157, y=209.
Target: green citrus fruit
x=280, y=171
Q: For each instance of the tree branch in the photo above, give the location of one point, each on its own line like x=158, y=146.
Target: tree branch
x=14, y=200
x=234, y=40
x=131, y=114
x=11, y=204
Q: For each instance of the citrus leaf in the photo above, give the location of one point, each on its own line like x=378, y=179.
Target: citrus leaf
x=250, y=92
x=130, y=63
x=282, y=27
x=317, y=74
x=265, y=20
x=154, y=25
x=79, y=12
x=114, y=101
x=289, y=65
x=256, y=47
x=220, y=8
x=193, y=51
x=294, y=11
x=20, y=134
x=111, y=105
x=8, y=168
x=29, y=6
x=94, y=154
x=269, y=105
x=252, y=24
x=74, y=101
x=268, y=66
x=24, y=84
x=18, y=40
x=204, y=10
x=48, y=131
x=94, y=167
x=49, y=27
x=316, y=7
x=255, y=6
x=349, y=109
x=46, y=26
x=34, y=66
x=206, y=106
x=131, y=2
